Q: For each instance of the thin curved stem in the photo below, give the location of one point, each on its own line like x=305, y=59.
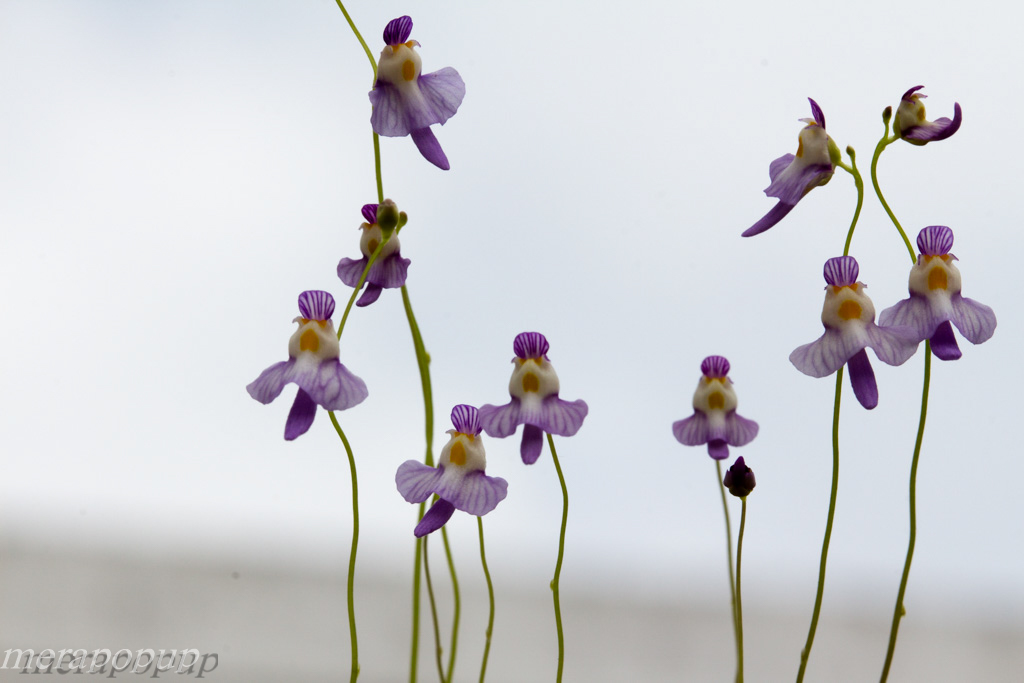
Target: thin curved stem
x=806, y=652
x=376, y=160
x=739, y=600
x=728, y=548
x=900, y=610
x=352, y=553
x=433, y=611
x=458, y=605
x=417, y=565
x=879, y=148
x=359, y=37
x=858, y=182
x=558, y=564
x=490, y=595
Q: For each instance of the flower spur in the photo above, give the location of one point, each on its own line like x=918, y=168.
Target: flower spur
x=714, y=421
x=458, y=480
x=312, y=364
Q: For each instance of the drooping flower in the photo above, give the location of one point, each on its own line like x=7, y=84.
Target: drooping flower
x=458, y=480
x=794, y=175
x=714, y=421
x=911, y=125
x=406, y=101
x=389, y=270
x=935, y=300
x=312, y=364
x=849, y=319
x=535, y=403
x=739, y=479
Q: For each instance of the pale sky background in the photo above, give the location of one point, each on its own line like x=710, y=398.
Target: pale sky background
x=173, y=174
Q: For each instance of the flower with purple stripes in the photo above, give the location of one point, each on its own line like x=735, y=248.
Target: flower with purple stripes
x=794, y=175
x=406, y=101
x=849, y=319
x=535, y=403
x=390, y=269
x=714, y=421
x=313, y=364
x=911, y=124
x=935, y=300
x=458, y=481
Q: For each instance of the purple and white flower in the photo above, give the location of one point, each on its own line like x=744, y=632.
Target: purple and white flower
x=911, y=125
x=313, y=364
x=406, y=101
x=935, y=300
x=714, y=421
x=458, y=481
x=849, y=319
x=794, y=175
x=535, y=403
x=388, y=271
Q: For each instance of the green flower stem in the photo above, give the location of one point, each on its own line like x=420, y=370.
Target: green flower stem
x=728, y=548
x=359, y=37
x=806, y=652
x=359, y=285
x=490, y=595
x=739, y=601
x=352, y=554
x=879, y=148
x=558, y=563
x=416, y=569
x=900, y=610
x=376, y=162
x=858, y=181
x=458, y=604
x=433, y=611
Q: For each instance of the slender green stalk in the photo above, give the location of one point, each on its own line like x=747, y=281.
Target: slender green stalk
x=376, y=159
x=359, y=37
x=806, y=652
x=879, y=148
x=352, y=553
x=558, y=564
x=359, y=285
x=433, y=611
x=858, y=182
x=416, y=568
x=900, y=610
x=490, y=595
x=728, y=548
x=458, y=605
x=739, y=600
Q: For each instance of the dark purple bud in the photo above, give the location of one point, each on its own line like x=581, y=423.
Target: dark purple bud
x=935, y=240
x=530, y=345
x=398, y=31
x=466, y=419
x=739, y=479
x=714, y=367
x=841, y=271
x=370, y=213
x=316, y=305
x=817, y=113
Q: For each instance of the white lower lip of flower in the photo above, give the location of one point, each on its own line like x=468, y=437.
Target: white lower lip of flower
x=714, y=398
x=813, y=147
x=533, y=379
x=314, y=339
x=847, y=306
x=469, y=454
x=935, y=276
x=400, y=66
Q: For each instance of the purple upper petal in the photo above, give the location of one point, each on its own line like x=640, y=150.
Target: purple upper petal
x=316, y=305
x=907, y=95
x=530, y=345
x=398, y=31
x=817, y=113
x=714, y=366
x=841, y=271
x=466, y=419
x=935, y=240
x=370, y=213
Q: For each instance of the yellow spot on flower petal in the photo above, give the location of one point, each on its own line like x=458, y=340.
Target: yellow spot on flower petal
x=716, y=400
x=849, y=310
x=800, y=149
x=937, y=278
x=458, y=454
x=309, y=341
x=408, y=70
x=530, y=382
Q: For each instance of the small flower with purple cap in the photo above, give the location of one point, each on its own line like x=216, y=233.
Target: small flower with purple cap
x=390, y=269
x=406, y=101
x=714, y=421
x=849, y=319
x=312, y=364
x=935, y=300
x=535, y=403
x=458, y=480
x=911, y=125
x=739, y=479
x=794, y=175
